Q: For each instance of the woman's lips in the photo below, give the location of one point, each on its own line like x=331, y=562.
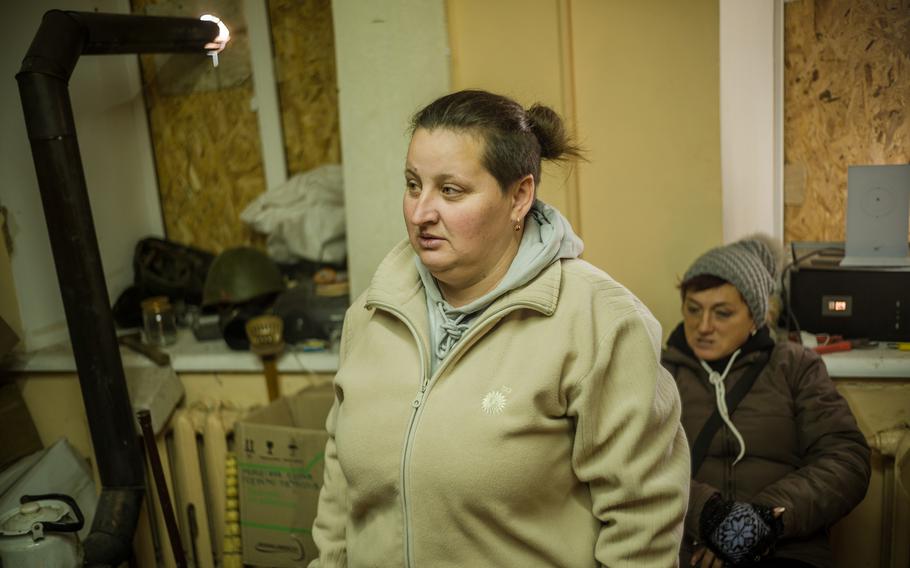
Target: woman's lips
x=428, y=241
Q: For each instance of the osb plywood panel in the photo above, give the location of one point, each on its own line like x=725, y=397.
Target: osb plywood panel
x=846, y=89
x=304, y=47
x=204, y=134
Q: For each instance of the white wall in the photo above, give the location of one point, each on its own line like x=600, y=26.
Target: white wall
x=751, y=117
x=116, y=154
x=392, y=58
x=265, y=89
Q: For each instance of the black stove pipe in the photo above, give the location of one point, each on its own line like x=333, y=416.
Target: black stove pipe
x=43, y=89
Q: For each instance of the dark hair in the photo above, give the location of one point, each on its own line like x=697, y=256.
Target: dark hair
x=515, y=140
x=699, y=283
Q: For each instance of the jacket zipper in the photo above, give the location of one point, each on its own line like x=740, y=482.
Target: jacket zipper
x=408, y=437
x=729, y=494
x=417, y=403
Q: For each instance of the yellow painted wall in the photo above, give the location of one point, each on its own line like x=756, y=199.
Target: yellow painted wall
x=647, y=92
x=639, y=81
x=54, y=400
x=518, y=48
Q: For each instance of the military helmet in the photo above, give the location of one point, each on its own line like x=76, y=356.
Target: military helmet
x=240, y=274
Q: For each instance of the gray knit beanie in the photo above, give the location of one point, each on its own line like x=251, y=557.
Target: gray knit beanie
x=750, y=264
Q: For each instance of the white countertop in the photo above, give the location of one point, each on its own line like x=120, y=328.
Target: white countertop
x=187, y=356
x=191, y=356
x=880, y=362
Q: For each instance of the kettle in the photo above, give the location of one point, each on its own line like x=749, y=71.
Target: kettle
x=41, y=532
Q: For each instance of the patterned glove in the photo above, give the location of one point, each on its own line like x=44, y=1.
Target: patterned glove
x=738, y=532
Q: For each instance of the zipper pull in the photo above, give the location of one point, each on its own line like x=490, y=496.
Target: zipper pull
x=417, y=399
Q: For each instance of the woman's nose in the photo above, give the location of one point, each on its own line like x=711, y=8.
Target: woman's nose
x=705, y=323
x=424, y=209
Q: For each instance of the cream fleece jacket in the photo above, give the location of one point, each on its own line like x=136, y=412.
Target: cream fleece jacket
x=549, y=436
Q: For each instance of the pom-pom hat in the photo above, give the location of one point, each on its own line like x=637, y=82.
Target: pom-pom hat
x=750, y=265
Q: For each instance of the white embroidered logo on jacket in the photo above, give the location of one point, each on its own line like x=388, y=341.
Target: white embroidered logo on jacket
x=494, y=402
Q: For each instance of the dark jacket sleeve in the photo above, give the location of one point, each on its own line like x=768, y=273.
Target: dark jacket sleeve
x=699, y=493
x=835, y=469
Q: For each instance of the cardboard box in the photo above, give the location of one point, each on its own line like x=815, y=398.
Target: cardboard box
x=280, y=452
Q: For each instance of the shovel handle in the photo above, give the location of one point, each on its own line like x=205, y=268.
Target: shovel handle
x=271, y=377
x=164, y=497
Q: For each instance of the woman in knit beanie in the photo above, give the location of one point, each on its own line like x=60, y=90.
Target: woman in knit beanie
x=777, y=456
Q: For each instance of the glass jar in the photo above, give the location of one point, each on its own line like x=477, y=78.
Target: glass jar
x=158, y=322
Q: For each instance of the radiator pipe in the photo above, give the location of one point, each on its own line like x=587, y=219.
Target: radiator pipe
x=164, y=495
x=43, y=81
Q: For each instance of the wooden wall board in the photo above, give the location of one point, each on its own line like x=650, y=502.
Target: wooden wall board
x=303, y=42
x=846, y=89
x=208, y=156
x=205, y=135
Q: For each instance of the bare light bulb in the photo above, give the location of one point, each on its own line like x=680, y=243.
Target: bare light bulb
x=224, y=35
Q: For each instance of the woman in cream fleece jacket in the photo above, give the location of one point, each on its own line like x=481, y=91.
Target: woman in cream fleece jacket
x=499, y=402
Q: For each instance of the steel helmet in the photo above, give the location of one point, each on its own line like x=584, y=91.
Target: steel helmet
x=239, y=275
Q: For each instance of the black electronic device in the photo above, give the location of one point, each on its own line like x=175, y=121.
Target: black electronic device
x=824, y=297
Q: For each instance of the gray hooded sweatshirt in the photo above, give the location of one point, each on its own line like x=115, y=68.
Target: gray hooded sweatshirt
x=548, y=237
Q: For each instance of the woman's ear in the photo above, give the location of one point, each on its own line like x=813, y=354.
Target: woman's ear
x=522, y=197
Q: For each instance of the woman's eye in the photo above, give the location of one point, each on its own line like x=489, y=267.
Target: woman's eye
x=723, y=315
x=411, y=186
x=450, y=191
x=691, y=310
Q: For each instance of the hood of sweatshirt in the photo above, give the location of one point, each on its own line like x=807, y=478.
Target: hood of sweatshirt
x=548, y=237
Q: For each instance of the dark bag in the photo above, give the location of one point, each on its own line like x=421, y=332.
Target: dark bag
x=166, y=268
x=162, y=268
x=734, y=397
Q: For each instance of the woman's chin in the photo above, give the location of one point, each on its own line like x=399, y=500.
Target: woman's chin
x=433, y=260
x=707, y=354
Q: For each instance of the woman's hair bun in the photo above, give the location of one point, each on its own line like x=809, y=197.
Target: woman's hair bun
x=550, y=131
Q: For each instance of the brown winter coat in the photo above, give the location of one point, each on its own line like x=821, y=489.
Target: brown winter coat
x=804, y=450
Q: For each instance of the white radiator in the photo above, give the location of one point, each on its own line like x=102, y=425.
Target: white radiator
x=894, y=446
x=193, y=449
